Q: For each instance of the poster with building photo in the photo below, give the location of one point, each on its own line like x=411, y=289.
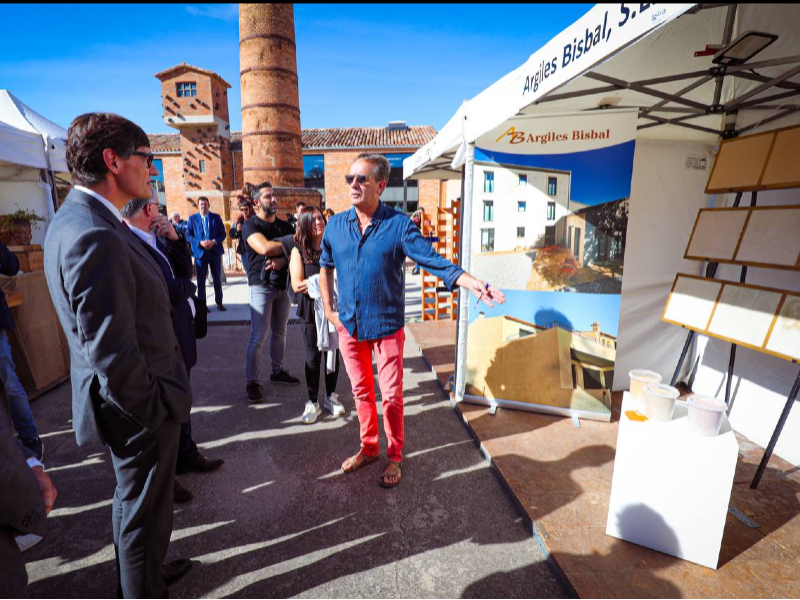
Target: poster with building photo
x=550, y=213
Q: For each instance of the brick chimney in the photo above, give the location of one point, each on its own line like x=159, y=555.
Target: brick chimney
x=272, y=148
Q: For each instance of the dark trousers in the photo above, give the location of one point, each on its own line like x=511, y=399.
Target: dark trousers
x=187, y=449
x=142, y=511
x=214, y=262
x=314, y=363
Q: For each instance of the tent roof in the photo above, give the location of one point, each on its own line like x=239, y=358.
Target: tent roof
x=22, y=135
x=678, y=96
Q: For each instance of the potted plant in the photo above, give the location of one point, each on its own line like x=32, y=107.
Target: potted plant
x=16, y=229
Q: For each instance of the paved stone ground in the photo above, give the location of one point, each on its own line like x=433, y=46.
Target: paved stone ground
x=279, y=519
x=507, y=271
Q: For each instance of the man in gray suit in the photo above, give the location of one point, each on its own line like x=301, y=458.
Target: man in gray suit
x=130, y=389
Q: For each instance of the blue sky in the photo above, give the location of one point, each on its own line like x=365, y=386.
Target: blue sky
x=541, y=308
x=359, y=65
x=598, y=176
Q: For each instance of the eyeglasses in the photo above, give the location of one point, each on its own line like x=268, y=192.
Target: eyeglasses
x=362, y=179
x=149, y=157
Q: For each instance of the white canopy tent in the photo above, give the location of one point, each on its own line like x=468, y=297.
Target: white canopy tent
x=32, y=152
x=643, y=57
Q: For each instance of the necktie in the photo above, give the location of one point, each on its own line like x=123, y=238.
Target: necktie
x=205, y=227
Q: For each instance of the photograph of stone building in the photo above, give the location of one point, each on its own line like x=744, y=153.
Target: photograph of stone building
x=548, y=366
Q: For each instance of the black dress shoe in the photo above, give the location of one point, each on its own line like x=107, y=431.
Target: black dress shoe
x=200, y=464
x=180, y=494
x=172, y=572
x=222, y=308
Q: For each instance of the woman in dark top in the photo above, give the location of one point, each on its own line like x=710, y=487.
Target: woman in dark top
x=303, y=264
x=245, y=212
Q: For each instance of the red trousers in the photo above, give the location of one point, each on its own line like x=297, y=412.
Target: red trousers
x=357, y=357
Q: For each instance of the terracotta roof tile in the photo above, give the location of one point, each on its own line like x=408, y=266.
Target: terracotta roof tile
x=342, y=138
x=164, y=74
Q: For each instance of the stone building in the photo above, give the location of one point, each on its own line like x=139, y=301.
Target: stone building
x=204, y=158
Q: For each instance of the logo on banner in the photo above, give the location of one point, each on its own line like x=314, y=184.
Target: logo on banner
x=512, y=136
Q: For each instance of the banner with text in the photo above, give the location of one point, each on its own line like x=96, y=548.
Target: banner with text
x=549, y=215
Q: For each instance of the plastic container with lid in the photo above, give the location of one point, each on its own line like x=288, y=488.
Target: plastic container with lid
x=639, y=379
x=705, y=414
x=659, y=401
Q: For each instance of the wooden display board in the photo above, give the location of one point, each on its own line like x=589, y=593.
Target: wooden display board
x=762, y=161
x=761, y=318
x=764, y=236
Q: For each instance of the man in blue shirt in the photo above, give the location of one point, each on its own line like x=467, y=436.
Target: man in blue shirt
x=367, y=246
x=205, y=233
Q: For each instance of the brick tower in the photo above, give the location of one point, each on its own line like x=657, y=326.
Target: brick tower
x=271, y=139
x=195, y=102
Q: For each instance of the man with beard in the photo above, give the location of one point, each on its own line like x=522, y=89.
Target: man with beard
x=269, y=302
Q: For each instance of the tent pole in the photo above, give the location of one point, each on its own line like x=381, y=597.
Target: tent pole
x=465, y=256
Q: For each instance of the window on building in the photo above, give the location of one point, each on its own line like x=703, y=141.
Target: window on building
x=523, y=179
x=202, y=166
x=487, y=240
x=488, y=211
x=488, y=182
x=592, y=378
x=522, y=205
x=551, y=211
x=314, y=173
x=520, y=232
x=397, y=187
x=186, y=89
x=552, y=186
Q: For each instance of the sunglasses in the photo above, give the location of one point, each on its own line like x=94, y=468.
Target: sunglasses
x=362, y=179
x=149, y=157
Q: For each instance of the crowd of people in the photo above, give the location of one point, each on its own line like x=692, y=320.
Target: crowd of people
x=119, y=274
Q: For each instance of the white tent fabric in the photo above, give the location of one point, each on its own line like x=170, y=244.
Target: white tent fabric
x=29, y=139
x=32, y=150
x=685, y=104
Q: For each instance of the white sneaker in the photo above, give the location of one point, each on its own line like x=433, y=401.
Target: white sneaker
x=311, y=412
x=333, y=406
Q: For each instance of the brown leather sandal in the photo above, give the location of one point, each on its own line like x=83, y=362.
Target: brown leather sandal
x=354, y=463
x=397, y=472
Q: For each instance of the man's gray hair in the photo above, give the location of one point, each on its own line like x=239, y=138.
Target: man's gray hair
x=174, y=214
x=380, y=166
x=133, y=206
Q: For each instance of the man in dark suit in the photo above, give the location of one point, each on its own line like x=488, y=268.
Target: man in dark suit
x=28, y=496
x=130, y=389
x=205, y=233
x=17, y=398
x=168, y=249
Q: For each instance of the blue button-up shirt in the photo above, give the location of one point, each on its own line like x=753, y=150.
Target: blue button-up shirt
x=370, y=269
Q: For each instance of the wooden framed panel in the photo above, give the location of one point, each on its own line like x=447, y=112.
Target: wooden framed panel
x=761, y=318
x=740, y=163
x=759, y=236
x=785, y=336
x=762, y=161
x=691, y=302
x=783, y=167
x=771, y=237
x=716, y=234
x=744, y=314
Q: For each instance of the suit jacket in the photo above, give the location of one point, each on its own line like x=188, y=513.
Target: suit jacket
x=21, y=505
x=180, y=290
x=113, y=305
x=195, y=234
x=9, y=265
